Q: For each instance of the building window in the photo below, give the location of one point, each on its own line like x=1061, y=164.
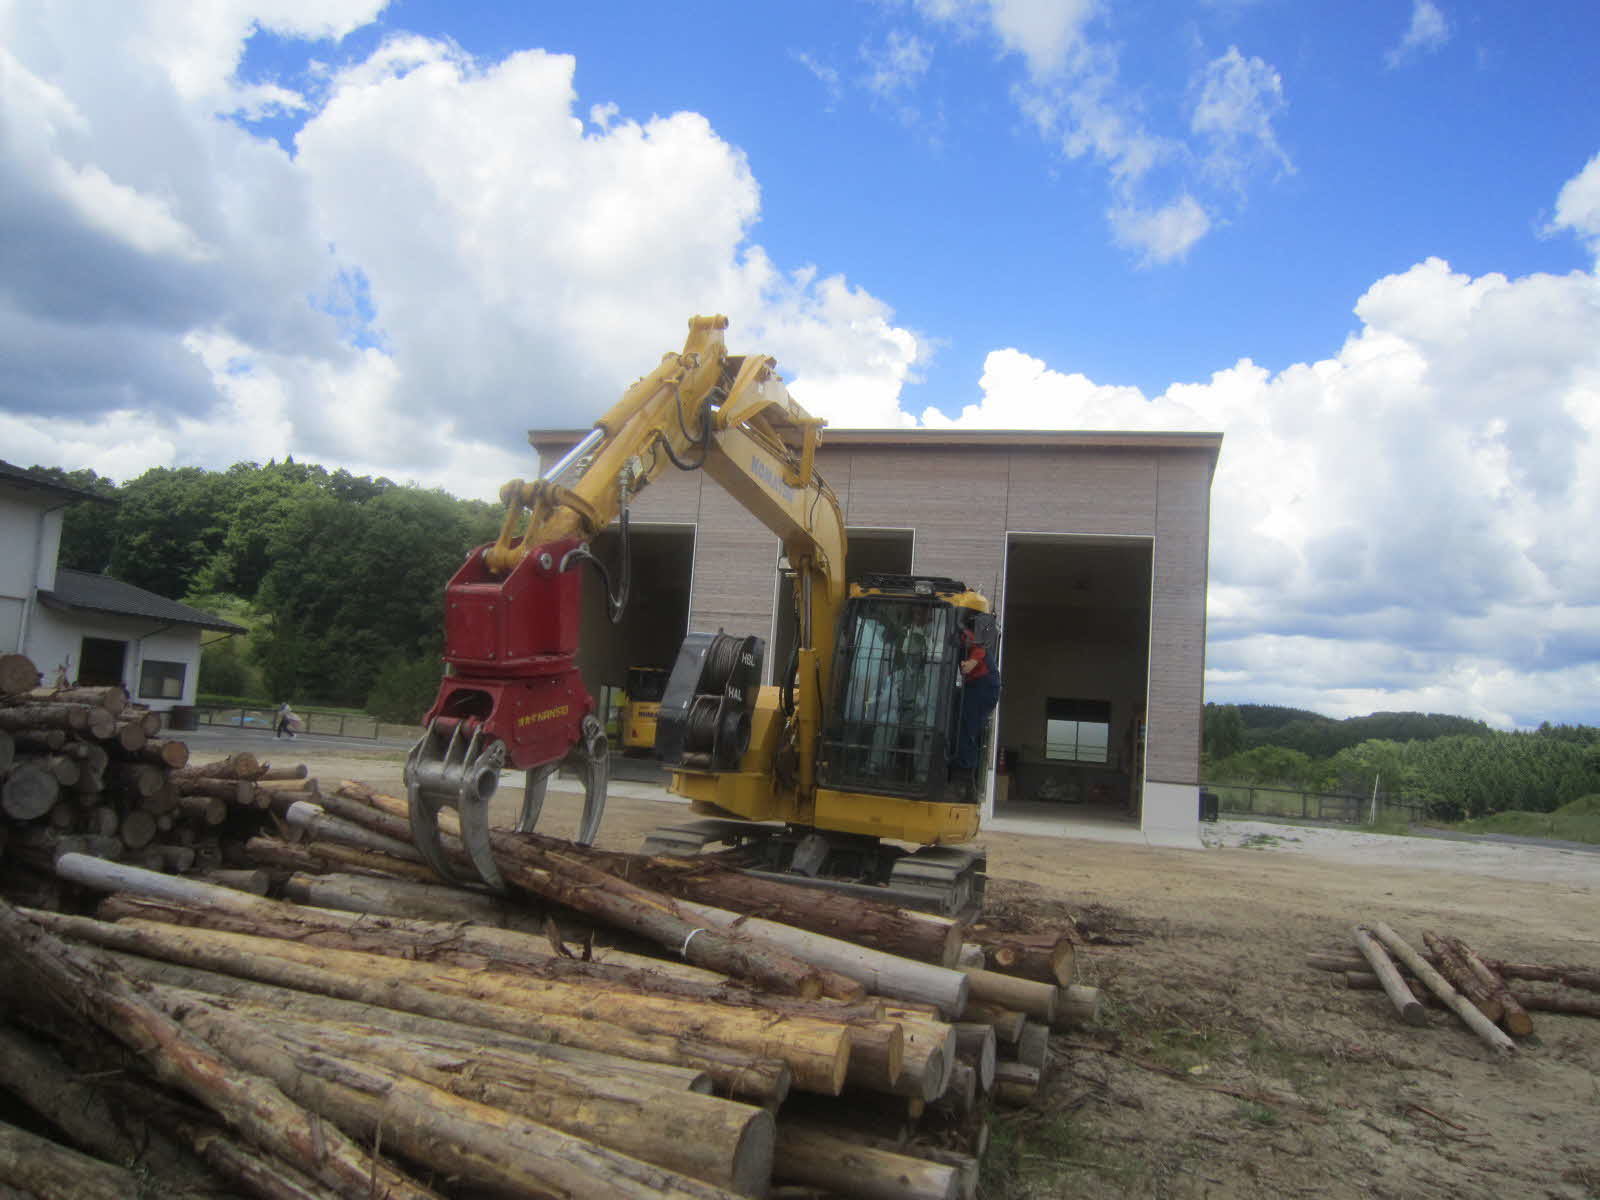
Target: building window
x=1077, y=731
x=162, y=680
x=100, y=662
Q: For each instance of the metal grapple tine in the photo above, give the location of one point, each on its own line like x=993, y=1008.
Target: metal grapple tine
x=536, y=783
x=462, y=775
x=479, y=777
x=424, y=804
x=595, y=765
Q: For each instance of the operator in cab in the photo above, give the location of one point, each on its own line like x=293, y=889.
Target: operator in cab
x=980, y=692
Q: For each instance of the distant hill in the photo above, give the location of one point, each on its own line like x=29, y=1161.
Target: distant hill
x=1322, y=737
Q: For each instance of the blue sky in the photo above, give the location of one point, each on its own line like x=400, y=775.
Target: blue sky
x=1358, y=239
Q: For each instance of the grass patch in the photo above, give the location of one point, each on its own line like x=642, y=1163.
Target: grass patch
x=1578, y=821
x=1388, y=824
x=1040, y=1155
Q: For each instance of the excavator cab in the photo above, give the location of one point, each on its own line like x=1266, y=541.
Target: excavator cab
x=896, y=699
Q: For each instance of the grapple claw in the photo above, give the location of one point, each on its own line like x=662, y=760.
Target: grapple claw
x=452, y=768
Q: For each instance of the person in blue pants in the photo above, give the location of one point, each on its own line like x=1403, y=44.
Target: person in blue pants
x=979, y=695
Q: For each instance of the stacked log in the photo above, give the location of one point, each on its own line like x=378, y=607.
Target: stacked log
x=430, y=1032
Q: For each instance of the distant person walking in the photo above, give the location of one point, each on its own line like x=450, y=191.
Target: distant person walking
x=286, y=721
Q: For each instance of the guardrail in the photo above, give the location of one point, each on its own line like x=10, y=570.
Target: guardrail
x=351, y=725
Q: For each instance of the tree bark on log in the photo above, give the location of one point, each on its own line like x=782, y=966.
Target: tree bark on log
x=467, y=1141
x=1015, y=1083
x=566, y=879
x=1439, y=986
x=1571, y=1003
x=1044, y=957
x=403, y=898
x=237, y=793
x=269, y=773
x=325, y=859
x=82, y=1109
x=254, y=1107
x=1454, y=968
x=146, y=896
x=39, y=1167
x=165, y=752
x=812, y=1155
x=49, y=740
x=895, y=931
x=718, y=1141
x=18, y=675
x=740, y=1073
x=310, y=823
x=111, y=697
x=1512, y=1014
x=816, y=1051
x=269, y=1001
x=882, y=974
x=242, y=765
x=1585, y=978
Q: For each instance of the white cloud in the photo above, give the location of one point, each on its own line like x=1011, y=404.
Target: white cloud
x=1405, y=523
x=499, y=262
x=1428, y=30
x=1578, y=206
x=1238, y=99
x=898, y=65
x=1163, y=235
x=1158, y=169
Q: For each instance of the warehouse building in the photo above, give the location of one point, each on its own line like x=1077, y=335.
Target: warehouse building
x=1091, y=546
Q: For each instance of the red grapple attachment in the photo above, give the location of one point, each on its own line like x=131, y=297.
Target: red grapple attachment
x=512, y=697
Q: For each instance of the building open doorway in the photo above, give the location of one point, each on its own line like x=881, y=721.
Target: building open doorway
x=653, y=623
x=1075, y=661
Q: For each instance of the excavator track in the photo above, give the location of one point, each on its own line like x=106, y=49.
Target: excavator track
x=946, y=880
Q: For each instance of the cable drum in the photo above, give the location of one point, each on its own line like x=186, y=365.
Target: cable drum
x=721, y=662
x=700, y=733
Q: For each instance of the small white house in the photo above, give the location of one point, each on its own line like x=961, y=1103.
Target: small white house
x=83, y=628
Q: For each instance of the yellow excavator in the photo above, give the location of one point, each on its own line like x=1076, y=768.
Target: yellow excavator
x=815, y=778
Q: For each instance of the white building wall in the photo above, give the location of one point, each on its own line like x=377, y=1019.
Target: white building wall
x=56, y=639
x=30, y=540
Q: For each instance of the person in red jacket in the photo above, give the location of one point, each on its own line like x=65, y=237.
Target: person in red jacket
x=980, y=693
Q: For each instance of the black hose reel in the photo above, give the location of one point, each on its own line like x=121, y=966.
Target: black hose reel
x=704, y=723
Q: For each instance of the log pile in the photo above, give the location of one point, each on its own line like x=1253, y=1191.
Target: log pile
x=82, y=770
x=1451, y=974
x=615, y=1025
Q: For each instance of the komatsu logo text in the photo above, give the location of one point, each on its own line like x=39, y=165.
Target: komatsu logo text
x=549, y=714
x=769, y=477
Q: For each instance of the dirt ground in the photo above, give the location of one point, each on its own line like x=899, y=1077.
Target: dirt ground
x=1222, y=1066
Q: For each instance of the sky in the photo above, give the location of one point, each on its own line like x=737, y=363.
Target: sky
x=1361, y=240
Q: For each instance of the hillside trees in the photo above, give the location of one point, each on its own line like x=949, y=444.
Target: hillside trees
x=354, y=586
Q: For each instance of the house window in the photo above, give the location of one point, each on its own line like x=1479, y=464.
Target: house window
x=162, y=680
x=100, y=662
x=1077, y=730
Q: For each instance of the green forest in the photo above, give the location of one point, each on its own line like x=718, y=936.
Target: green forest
x=1453, y=767
x=339, y=578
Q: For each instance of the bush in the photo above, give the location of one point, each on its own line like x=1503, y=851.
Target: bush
x=404, y=690
x=224, y=671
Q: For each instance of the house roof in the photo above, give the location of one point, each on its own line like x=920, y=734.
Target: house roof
x=86, y=592
x=16, y=477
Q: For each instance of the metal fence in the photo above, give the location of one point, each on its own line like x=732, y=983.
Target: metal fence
x=1337, y=807
x=352, y=725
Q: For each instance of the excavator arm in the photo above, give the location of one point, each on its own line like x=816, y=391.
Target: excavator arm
x=512, y=696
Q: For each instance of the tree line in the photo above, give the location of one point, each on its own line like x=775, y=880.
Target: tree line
x=339, y=578
x=1456, y=767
